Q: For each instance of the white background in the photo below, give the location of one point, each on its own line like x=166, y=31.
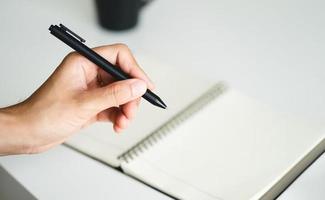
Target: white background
x=270, y=50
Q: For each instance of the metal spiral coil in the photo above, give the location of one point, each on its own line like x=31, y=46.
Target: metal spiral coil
x=172, y=123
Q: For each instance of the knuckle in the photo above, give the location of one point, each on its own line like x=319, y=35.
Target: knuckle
x=114, y=93
x=74, y=57
x=122, y=46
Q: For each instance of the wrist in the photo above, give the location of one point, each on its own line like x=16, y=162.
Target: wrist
x=13, y=139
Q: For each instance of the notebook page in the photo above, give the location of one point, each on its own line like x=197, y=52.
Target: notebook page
x=177, y=89
x=232, y=149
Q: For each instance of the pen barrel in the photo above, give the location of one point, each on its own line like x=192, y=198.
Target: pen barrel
x=101, y=62
x=116, y=72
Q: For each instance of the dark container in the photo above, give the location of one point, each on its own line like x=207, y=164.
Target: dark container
x=119, y=14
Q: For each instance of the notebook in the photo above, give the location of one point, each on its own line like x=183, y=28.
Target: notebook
x=212, y=143
x=100, y=141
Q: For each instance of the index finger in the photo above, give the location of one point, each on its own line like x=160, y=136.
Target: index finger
x=121, y=56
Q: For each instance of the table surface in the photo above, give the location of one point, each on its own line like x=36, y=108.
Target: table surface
x=270, y=50
x=309, y=185
x=63, y=173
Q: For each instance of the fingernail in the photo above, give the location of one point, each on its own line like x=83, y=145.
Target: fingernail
x=138, y=88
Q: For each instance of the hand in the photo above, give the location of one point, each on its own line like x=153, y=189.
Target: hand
x=77, y=94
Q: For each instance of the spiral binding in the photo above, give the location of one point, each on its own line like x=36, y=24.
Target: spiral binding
x=161, y=132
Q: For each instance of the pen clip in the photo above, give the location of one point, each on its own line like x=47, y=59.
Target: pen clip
x=66, y=29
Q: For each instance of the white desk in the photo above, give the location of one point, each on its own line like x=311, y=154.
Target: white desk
x=62, y=173
x=271, y=50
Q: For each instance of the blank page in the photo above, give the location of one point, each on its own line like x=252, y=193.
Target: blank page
x=100, y=141
x=234, y=148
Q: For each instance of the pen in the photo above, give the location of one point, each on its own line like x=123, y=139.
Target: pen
x=76, y=42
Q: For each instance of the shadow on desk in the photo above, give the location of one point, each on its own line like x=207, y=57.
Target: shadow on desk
x=11, y=189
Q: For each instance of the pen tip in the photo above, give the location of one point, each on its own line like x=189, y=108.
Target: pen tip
x=160, y=104
x=154, y=99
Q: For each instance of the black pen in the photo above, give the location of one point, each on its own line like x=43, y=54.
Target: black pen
x=76, y=42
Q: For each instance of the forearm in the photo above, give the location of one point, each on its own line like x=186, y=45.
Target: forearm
x=12, y=139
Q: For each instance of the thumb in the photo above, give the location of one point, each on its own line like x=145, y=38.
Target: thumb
x=115, y=94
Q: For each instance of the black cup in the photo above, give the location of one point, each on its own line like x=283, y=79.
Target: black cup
x=119, y=14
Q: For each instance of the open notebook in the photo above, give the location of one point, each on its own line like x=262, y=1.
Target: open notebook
x=212, y=142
